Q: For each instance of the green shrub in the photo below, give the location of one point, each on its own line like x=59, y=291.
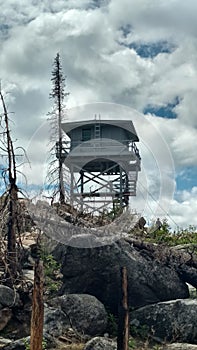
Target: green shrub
x=140, y=331
x=112, y=325
x=132, y=343
x=51, y=270
x=27, y=344
x=178, y=237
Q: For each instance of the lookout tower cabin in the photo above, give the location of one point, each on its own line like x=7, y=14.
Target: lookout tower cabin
x=103, y=161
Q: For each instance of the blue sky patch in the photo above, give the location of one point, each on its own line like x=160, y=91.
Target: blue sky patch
x=166, y=111
x=150, y=50
x=146, y=50
x=186, y=179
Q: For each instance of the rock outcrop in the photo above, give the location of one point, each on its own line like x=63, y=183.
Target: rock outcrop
x=96, y=271
x=84, y=313
x=170, y=321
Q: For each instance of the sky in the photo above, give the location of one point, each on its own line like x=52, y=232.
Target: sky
x=130, y=59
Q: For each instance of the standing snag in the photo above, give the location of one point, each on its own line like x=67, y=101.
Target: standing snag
x=55, y=172
x=10, y=197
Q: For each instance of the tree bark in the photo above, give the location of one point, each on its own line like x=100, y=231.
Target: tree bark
x=12, y=201
x=12, y=227
x=37, y=317
x=123, y=318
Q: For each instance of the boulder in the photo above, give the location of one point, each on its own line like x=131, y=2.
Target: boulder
x=174, y=320
x=84, y=313
x=180, y=346
x=8, y=297
x=19, y=325
x=19, y=344
x=5, y=317
x=96, y=271
x=55, y=321
x=99, y=343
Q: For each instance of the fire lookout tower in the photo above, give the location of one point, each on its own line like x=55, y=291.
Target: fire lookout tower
x=103, y=162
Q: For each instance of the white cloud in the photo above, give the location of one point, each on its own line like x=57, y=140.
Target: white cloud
x=99, y=68
x=183, y=211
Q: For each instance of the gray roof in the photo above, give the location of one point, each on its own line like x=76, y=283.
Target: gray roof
x=124, y=124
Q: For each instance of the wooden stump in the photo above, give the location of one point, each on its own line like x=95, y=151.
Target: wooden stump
x=123, y=317
x=37, y=317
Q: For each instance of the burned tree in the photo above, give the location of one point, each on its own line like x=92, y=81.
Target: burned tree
x=10, y=197
x=37, y=315
x=55, y=172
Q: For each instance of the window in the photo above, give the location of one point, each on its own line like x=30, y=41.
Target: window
x=86, y=134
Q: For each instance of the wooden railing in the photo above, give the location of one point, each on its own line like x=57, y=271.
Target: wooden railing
x=101, y=146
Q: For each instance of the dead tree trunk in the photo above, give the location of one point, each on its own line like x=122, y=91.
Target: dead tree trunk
x=123, y=317
x=58, y=94
x=37, y=317
x=12, y=198
x=12, y=224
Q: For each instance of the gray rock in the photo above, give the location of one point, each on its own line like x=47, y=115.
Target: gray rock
x=85, y=313
x=28, y=275
x=180, y=346
x=55, y=321
x=19, y=344
x=99, y=343
x=96, y=271
x=4, y=341
x=83, y=240
x=170, y=321
x=8, y=297
x=5, y=317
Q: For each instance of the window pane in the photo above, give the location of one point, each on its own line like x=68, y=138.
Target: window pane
x=86, y=134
